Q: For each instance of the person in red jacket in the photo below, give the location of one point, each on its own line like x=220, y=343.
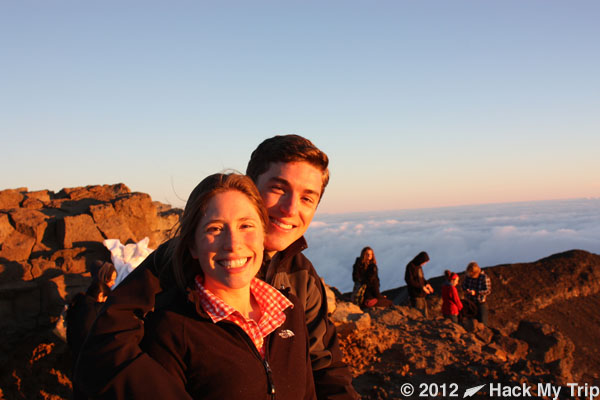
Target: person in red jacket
x=451, y=304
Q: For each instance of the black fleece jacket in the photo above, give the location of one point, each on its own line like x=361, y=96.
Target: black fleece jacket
x=111, y=358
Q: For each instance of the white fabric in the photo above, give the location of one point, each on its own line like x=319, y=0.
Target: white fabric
x=127, y=257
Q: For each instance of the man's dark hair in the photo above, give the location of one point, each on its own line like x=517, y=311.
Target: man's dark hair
x=287, y=148
x=420, y=258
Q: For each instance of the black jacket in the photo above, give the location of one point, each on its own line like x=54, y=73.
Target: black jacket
x=415, y=280
x=219, y=361
x=110, y=362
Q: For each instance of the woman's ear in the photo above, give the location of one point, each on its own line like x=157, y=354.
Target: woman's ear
x=193, y=252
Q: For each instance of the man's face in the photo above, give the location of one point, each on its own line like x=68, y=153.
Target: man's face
x=291, y=193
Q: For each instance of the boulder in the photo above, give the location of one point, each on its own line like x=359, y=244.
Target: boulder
x=6, y=227
x=545, y=344
x=349, y=316
x=78, y=229
x=111, y=224
x=16, y=246
x=30, y=222
x=11, y=198
x=140, y=214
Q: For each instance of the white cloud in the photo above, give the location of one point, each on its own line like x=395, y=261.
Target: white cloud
x=488, y=234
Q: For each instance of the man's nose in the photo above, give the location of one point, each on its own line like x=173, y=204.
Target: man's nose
x=289, y=204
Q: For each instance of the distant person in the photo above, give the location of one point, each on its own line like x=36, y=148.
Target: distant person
x=358, y=273
x=418, y=287
x=222, y=328
x=477, y=286
x=366, y=279
x=106, y=273
x=84, y=307
x=451, y=304
x=80, y=316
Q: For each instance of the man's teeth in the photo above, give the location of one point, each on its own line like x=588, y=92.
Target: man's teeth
x=233, y=263
x=281, y=224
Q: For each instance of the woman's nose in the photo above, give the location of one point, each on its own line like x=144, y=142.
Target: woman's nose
x=231, y=239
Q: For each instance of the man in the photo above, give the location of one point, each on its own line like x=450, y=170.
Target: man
x=291, y=175
x=477, y=285
x=418, y=287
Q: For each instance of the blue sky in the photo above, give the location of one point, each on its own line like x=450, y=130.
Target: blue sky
x=418, y=104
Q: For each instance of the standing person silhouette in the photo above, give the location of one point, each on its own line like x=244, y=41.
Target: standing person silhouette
x=418, y=287
x=291, y=174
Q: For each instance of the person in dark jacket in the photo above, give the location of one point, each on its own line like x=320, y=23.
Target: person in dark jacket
x=226, y=334
x=291, y=175
x=80, y=316
x=418, y=287
x=364, y=274
x=358, y=272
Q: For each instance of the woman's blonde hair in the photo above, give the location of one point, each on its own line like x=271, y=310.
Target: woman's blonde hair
x=473, y=269
x=185, y=267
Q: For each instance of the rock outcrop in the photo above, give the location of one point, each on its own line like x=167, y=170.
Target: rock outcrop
x=49, y=241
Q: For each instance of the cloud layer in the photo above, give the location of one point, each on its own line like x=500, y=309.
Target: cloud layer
x=489, y=234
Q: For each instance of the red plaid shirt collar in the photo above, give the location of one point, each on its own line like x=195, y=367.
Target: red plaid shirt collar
x=271, y=302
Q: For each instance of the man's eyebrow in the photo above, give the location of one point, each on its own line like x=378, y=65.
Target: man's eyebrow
x=285, y=182
x=280, y=180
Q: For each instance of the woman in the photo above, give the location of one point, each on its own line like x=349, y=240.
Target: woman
x=451, y=304
x=106, y=273
x=366, y=281
x=226, y=334
x=360, y=267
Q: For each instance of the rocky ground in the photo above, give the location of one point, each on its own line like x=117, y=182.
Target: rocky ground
x=544, y=320
x=543, y=341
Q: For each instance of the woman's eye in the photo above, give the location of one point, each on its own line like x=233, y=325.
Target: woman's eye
x=213, y=229
x=277, y=189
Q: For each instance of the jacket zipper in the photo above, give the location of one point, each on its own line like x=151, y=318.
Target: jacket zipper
x=270, y=385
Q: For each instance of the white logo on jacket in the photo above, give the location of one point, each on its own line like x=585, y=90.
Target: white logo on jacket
x=286, y=333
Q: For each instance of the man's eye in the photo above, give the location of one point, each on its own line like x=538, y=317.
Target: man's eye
x=309, y=200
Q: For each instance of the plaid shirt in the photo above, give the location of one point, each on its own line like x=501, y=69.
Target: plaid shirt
x=271, y=302
x=482, y=285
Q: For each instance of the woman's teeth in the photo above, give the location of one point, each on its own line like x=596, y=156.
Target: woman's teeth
x=233, y=263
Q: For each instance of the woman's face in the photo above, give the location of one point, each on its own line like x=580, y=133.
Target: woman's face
x=369, y=255
x=111, y=281
x=229, y=242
